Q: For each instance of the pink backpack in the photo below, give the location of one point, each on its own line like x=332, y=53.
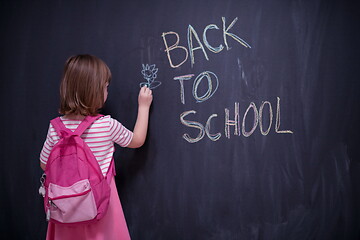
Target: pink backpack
x=75, y=189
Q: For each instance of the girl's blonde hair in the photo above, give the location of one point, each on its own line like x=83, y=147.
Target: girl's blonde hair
x=82, y=85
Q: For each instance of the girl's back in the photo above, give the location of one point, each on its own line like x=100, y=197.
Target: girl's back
x=100, y=137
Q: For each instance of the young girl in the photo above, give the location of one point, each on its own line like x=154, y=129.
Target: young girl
x=83, y=91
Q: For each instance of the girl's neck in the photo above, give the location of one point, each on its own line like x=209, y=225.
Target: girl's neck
x=74, y=116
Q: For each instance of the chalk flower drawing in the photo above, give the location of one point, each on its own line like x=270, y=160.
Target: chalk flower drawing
x=149, y=73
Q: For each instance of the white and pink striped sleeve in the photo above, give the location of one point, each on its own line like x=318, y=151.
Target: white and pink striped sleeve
x=48, y=145
x=120, y=134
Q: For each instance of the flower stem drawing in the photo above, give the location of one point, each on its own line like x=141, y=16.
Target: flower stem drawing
x=149, y=73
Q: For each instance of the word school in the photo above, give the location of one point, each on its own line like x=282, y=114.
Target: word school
x=236, y=123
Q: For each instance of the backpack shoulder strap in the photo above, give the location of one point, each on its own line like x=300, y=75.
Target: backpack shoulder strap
x=59, y=126
x=88, y=120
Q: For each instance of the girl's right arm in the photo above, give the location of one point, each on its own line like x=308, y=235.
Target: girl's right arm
x=141, y=125
x=45, y=151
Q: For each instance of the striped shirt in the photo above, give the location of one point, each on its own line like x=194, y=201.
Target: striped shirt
x=100, y=137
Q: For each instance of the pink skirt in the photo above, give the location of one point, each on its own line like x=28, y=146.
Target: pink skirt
x=111, y=227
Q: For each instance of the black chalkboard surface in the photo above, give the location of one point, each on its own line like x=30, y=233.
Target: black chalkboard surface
x=253, y=127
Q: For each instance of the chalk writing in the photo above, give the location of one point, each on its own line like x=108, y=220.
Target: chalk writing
x=202, y=130
x=210, y=76
x=181, y=79
x=149, y=73
x=192, y=124
x=172, y=47
x=234, y=123
x=226, y=33
x=256, y=120
x=194, y=43
x=277, y=123
x=206, y=43
x=212, y=137
x=258, y=117
x=211, y=90
x=270, y=117
x=192, y=34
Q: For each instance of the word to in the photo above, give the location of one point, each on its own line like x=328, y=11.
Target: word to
x=210, y=77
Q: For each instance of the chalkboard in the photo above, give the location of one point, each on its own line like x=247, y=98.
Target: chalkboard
x=253, y=127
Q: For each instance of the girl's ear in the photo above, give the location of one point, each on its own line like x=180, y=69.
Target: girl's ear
x=106, y=92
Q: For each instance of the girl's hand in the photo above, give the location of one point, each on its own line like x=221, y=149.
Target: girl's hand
x=145, y=97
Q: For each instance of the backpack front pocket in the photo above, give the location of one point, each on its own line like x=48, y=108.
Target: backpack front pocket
x=71, y=204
